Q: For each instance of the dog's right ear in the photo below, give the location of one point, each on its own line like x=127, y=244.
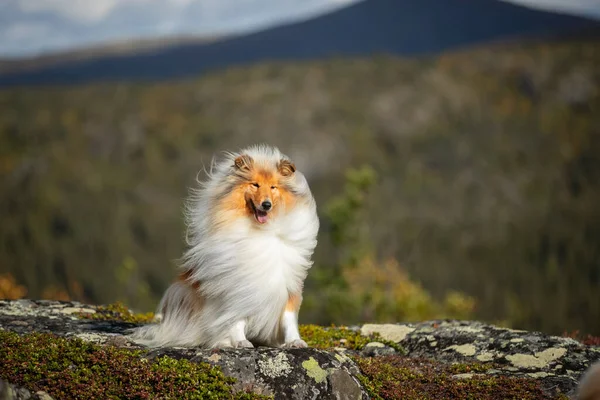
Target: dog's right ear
x=243, y=163
x=286, y=167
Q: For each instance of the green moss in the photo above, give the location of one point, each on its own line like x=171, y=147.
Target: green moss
x=117, y=312
x=469, y=368
x=72, y=368
x=396, y=377
x=327, y=338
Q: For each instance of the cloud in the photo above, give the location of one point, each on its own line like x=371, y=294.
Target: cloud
x=84, y=11
x=24, y=31
x=181, y=3
x=590, y=7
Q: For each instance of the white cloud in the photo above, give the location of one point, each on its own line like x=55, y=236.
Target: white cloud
x=576, y=6
x=83, y=11
x=23, y=31
x=181, y=3
x=77, y=10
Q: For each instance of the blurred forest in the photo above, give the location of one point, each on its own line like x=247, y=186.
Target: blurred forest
x=464, y=185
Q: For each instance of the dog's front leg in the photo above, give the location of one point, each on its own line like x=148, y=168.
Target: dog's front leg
x=289, y=323
x=237, y=333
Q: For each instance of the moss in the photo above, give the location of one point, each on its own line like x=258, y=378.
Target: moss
x=396, y=377
x=470, y=368
x=327, y=338
x=117, y=312
x=72, y=368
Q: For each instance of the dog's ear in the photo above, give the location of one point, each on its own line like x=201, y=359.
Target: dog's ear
x=286, y=167
x=243, y=162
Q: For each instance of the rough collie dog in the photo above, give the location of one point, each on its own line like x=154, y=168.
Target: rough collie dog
x=252, y=229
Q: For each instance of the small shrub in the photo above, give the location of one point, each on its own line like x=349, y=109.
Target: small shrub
x=10, y=289
x=118, y=312
x=396, y=377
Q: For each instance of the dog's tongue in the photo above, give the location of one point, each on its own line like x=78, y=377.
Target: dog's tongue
x=261, y=216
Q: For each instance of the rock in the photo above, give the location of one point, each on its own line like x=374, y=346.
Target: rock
x=12, y=392
x=556, y=363
x=393, y=332
x=374, y=349
x=291, y=373
x=42, y=395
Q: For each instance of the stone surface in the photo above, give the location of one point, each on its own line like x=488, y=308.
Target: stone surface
x=555, y=362
x=12, y=392
x=289, y=373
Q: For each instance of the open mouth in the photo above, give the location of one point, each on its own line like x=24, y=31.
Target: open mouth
x=260, y=215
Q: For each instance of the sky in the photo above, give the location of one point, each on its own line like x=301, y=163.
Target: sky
x=31, y=27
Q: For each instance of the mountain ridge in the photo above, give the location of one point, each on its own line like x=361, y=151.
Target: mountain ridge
x=407, y=28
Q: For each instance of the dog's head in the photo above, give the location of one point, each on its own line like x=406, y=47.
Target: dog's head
x=265, y=185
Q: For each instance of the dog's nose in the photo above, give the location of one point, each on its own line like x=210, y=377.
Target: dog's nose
x=266, y=205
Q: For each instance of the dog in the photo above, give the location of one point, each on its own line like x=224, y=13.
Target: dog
x=251, y=230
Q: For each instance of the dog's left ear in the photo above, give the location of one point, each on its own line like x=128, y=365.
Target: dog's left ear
x=286, y=167
x=243, y=162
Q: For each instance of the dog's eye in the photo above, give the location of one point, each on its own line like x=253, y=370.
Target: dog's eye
x=273, y=187
x=255, y=185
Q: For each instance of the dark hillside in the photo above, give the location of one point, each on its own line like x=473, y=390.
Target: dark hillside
x=118, y=48
x=401, y=27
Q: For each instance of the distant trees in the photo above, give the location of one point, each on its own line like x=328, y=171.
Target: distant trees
x=359, y=286
x=465, y=186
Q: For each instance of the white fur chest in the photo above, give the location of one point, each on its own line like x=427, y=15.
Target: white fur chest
x=274, y=263
x=278, y=254
x=258, y=265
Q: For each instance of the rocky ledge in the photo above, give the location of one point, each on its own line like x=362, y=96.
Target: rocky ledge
x=433, y=359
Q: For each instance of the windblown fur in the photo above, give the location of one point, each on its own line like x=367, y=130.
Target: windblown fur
x=242, y=276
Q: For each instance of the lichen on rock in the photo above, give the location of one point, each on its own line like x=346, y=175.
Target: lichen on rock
x=314, y=370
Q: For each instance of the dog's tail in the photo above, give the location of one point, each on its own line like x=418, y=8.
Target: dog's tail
x=179, y=310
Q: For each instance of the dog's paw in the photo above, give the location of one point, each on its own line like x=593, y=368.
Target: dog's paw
x=295, y=344
x=243, y=344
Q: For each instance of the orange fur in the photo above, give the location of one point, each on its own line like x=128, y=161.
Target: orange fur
x=268, y=189
x=185, y=277
x=247, y=196
x=293, y=303
x=231, y=207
